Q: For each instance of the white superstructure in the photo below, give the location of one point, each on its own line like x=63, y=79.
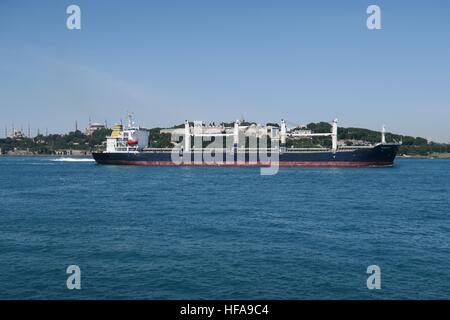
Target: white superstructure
x=133, y=138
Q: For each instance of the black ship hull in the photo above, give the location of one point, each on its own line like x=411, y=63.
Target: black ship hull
x=379, y=155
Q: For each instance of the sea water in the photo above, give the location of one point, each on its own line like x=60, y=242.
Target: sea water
x=221, y=232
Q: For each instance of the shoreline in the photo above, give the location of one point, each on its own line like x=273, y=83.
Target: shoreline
x=47, y=155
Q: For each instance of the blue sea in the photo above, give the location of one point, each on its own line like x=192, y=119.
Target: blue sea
x=223, y=233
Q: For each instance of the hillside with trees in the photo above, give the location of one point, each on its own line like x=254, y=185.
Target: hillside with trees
x=76, y=140
x=53, y=143
x=410, y=145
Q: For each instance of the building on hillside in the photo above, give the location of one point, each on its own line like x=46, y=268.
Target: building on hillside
x=17, y=134
x=94, y=126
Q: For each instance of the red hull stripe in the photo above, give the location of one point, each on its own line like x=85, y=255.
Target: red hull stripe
x=260, y=164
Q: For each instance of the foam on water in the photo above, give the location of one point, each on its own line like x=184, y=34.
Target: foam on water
x=73, y=160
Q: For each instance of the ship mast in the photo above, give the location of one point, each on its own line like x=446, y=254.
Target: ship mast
x=383, y=134
x=187, y=137
x=283, y=132
x=334, y=135
x=130, y=120
x=236, y=135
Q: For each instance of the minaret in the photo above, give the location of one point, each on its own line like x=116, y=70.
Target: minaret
x=76, y=125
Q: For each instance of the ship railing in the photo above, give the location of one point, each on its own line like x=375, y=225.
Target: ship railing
x=167, y=150
x=242, y=149
x=306, y=149
x=209, y=149
x=344, y=148
x=126, y=149
x=356, y=147
x=238, y=149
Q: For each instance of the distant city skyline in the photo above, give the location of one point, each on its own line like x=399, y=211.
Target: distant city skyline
x=28, y=130
x=215, y=61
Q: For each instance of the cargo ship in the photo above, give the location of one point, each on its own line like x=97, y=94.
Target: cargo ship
x=240, y=145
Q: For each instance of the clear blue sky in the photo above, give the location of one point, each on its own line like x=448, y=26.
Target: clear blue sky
x=217, y=60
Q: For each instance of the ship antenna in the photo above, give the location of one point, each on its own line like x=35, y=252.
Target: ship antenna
x=130, y=120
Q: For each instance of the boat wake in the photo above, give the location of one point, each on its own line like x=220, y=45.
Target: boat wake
x=73, y=160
